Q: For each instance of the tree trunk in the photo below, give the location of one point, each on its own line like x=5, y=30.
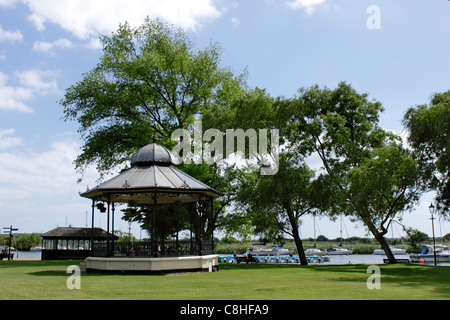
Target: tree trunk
x=298, y=241
x=386, y=248
x=301, y=252
x=381, y=240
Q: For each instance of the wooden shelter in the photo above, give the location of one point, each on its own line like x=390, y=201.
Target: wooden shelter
x=71, y=243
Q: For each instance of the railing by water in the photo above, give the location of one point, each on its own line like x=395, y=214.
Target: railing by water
x=168, y=248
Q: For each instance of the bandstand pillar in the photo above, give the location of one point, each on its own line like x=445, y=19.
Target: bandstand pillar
x=92, y=227
x=107, y=228
x=112, y=227
x=154, y=231
x=211, y=203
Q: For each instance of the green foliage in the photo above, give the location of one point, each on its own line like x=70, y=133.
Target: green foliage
x=384, y=185
x=170, y=219
x=429, y=136
x=366, y=174
x=150, y=81
x=276, y=202
x=446, y=237
x=247, y=109
x=416, y=238
x=279, y=198
x=339, y=125
x=27, y=241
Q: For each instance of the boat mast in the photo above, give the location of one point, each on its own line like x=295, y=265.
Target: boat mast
x=314, y=222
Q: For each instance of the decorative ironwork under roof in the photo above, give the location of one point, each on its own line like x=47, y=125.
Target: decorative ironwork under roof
x=153, y=171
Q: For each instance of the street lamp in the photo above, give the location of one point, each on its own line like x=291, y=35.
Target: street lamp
x=431, y=207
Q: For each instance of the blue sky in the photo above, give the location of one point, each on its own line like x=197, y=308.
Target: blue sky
x=46, y=46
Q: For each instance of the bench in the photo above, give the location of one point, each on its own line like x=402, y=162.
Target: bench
x=397, y=260
x=5, y=255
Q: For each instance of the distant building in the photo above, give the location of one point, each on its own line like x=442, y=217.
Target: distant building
x=72, y=243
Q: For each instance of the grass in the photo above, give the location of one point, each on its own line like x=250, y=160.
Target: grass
x=39, y=280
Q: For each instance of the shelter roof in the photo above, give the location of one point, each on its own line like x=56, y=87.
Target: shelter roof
x=76, y=233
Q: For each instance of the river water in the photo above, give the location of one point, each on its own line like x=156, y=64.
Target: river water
x=334, y=259
x=358, y=259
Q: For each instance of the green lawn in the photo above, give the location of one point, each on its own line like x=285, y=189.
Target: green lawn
x=39, y=280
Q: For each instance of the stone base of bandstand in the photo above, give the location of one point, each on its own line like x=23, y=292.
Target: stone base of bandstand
x=207, y=263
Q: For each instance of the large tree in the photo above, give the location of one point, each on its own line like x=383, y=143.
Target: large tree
x=277, y=202
x=341, y=127
x=384, y=185
x=149, y=81
x=429, y=136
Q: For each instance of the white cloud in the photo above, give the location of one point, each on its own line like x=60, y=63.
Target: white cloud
x=48, y=47
x=39, y=189
x=235, y=22
x=40, y=81
x=14, y=98
x=95, y=43
x=86, y=19
x=23, y=86
x=25, y=174
x=10, y=35
x=7, y=142
x=7, y=3
x=307, y=5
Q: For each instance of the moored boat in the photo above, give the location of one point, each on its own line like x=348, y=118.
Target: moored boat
x=394, y=251
x=263, y=251
x=339, y=251
x=427, y=254
x=314, y=252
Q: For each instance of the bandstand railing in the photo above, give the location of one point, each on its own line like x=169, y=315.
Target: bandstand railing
x=168, y=248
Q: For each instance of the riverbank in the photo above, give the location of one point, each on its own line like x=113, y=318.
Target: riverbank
x=27, y=255
x=333, y=259
x=361, y=246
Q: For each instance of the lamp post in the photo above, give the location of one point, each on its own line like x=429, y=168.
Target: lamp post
x=431, y=207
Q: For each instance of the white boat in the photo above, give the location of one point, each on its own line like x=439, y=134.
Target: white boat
x=339, y=251
x=393, y=250
x=427, y=254
x=263, y=251
x=314, y=252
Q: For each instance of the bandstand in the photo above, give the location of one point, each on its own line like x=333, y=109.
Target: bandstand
x=154, y=180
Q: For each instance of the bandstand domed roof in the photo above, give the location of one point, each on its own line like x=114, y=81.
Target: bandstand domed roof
x=153, y=154
x=153, y=170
